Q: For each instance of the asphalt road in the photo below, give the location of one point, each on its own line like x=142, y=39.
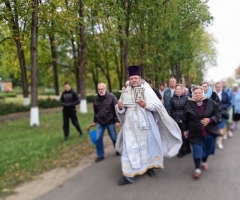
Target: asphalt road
x=174, y=182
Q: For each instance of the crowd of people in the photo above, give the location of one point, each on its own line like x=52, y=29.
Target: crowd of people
x=157, y=123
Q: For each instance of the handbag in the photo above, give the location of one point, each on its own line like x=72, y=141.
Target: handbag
x=225, y=114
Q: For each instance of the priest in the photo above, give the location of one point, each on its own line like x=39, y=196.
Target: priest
x=148, y=133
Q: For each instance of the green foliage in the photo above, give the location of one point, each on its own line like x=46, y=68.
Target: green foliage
x=161, y=35
x=43, y=150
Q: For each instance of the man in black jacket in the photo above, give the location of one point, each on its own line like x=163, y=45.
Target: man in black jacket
x=70, y=99
x=104, y=117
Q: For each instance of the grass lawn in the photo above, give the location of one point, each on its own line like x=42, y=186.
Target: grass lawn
x=27, y=151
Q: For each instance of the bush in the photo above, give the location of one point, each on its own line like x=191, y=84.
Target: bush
x=49, y=103
x=8, y=108
x=8, y=94
x=90, y=98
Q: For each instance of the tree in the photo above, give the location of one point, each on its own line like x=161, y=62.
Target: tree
x=34, y=115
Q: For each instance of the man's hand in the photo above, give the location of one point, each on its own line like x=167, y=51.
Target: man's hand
x=120, y=105
x=185, y=133
x=142, y=103
x=205, y=121
x=117, y=124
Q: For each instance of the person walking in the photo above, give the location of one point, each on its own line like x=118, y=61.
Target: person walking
x=147, y=134
x=70, y=99
x=236, y=108
x=200, y=118
x=104, y=117
x=225, y=105
x=169, y=92
x=175, y=109
x=209, y=93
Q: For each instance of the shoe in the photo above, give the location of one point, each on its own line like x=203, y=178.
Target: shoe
x=180, y=155
x=220, y=146
x=150, y=173
x=224, y=136
x=117, y=154
x=80, y=134
x=230, y=134
x=205, y=167
x=124, y=181
x=98, y=159
x=196, y=175
x=65, y=139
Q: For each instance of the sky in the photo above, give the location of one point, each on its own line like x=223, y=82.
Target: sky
x=226, y=29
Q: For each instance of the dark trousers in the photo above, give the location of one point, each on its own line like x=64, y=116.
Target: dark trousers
x=185, y=148
x=70, y=114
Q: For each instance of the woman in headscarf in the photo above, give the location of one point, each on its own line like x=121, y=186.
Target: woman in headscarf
x=225, y=105
x=208, y=92
x=175, y=109
x=200, y=118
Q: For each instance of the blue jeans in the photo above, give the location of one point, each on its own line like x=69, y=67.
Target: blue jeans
x=100, y=133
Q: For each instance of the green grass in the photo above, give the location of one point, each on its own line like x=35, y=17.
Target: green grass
x=27, y=151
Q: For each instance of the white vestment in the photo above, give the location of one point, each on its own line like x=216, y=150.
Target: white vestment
x=147, y=134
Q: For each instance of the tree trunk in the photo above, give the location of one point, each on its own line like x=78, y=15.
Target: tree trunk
x=34, y=115
x=82, y=59
x=75, y=64
x=14, y=23
x=54, y=63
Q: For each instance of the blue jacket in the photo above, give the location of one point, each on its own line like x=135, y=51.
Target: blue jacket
x=236, y=102
x=166, y=97
x=225, y=102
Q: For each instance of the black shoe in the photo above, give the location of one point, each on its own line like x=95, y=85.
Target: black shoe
x=98, y=159
x=80, y=134
x=117, y=154
x=124, y=181
x=180, y=155
x=65, y=139
x=150, y=173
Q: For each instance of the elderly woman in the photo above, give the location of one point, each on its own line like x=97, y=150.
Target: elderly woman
x=208, y=92
x=225, y=105
x=200, y=118
x=175, y=109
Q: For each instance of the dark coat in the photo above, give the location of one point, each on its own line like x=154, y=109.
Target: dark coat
x=176, y=107
x=104, y=109
x=69, y=100
x=192, y=119
x=215, y=98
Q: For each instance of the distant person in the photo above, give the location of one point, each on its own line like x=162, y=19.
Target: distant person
x=209, y=93
x=186, y=91
x=169, y=92
x=175, y=109
x=162, y=89
x=104, y=117
x=236, y=108
x=225, y=105
x=200, y=118
x=70, y=99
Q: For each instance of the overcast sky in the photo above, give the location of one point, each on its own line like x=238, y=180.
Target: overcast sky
x=226, y=29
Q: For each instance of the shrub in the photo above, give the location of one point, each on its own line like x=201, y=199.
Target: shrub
x=49, y=103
